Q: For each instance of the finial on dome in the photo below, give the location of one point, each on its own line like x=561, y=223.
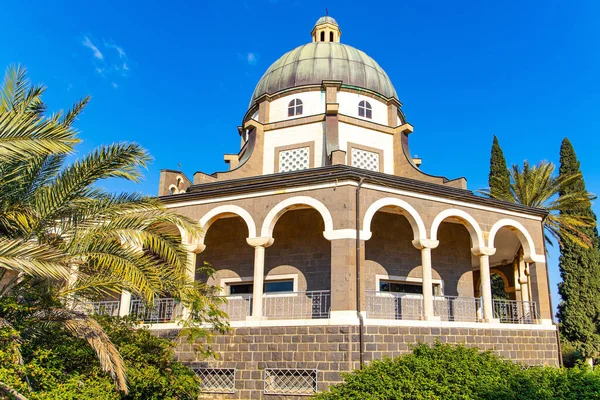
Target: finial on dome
x=326, y=29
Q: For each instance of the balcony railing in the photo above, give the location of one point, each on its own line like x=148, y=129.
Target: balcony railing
x=237, y=307
x=163, y=310
x=297, y=305
x=110, y=308
x=515, y=312
x=388, y=305
x=455, y=308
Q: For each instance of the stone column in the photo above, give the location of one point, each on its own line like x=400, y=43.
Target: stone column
x=486, y=286
x=125, y=304
x=259, y=244
x=192, y=253
x=426, y=245
x=343, y=276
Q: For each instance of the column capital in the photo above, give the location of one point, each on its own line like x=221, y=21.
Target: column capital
x=260, y=241
x=194, y=247
x=425, y=243
x=483, y=251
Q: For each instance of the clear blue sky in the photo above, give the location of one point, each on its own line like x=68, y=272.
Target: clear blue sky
x=176, y=76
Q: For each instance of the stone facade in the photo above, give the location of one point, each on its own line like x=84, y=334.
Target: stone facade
x=337, y=230
x=334, y=349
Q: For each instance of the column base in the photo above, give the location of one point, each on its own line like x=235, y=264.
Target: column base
x=255, y=318
x=432, y=318
x=349, y=317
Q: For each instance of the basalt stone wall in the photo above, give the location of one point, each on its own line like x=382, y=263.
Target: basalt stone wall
x=334, y=349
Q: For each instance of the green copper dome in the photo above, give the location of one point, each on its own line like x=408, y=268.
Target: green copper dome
x=315, y=62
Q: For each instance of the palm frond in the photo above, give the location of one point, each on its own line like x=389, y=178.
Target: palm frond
x=85, y=327
x=32, y=259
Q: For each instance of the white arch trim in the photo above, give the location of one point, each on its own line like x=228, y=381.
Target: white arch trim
x=415, y=220
x=468, y=221
x=277, y=211
x=522, y=234
x=207, y=220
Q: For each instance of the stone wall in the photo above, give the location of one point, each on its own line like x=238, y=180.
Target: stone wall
x=334, y=349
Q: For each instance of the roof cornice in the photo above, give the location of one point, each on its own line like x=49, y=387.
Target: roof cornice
x=318, y=175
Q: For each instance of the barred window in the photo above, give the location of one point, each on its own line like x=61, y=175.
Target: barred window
x=291, y=381
x=365, y=159
x=216, y=380
x=294, y=159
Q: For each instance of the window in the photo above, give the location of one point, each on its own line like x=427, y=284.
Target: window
x=277, y=286
x=364, y=109
x=407, y=287
x=295, y=108
x=240, y=288
x=215, y=380
x=294, y=159
x=290, y=381
x=331, y=36
x=364, y=159
x=322, y=36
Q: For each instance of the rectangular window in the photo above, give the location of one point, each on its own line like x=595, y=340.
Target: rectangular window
x=279, y=286
x=364, y=159
x=407, y=287
x=294, y=159
x=216, y=380
x=290, y=381
x=240, y=288
x=269, y=287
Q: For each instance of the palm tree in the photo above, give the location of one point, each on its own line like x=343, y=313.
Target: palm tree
x=538, y=186
x=57, y=225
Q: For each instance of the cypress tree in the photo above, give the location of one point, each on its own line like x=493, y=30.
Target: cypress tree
x=579, y=309
x=499, y=178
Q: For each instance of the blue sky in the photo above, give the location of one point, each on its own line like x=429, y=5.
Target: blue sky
x=177, y=76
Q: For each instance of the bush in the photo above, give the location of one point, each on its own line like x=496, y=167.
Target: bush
x=444, y=372
x=58, y=366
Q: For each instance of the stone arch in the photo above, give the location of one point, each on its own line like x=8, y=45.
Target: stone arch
x=522, y=234
x=207, y=220
x=283, y=206
x=466, y=219
x=413, y=217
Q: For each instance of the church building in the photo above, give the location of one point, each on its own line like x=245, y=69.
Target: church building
x=334, y=248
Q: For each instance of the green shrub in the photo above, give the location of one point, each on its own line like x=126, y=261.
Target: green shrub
x=444, y=372
x=58, y=366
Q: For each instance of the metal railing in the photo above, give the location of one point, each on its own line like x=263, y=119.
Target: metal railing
x=297, y=305
x=110, y=308
x=163, y=310
x=238, y=306
x=515, y=312
x=389, y=305
x=456, y=308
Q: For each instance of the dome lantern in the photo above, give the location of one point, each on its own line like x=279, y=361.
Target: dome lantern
x=326, y=29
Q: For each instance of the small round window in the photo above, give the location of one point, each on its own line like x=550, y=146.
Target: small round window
x=295, y=108
x=364, y=109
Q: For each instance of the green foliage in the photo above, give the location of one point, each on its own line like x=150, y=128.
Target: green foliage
x=499, y=178
x=58, y=366
x=579, y=309
x=444, y=372
x=58, y=226
x=498, y=289
x=538, y=186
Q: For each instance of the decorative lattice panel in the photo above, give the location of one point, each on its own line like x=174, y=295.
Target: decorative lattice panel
x=291, y=381
x=294, y=159
x=365, y=159
x=216, y=380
